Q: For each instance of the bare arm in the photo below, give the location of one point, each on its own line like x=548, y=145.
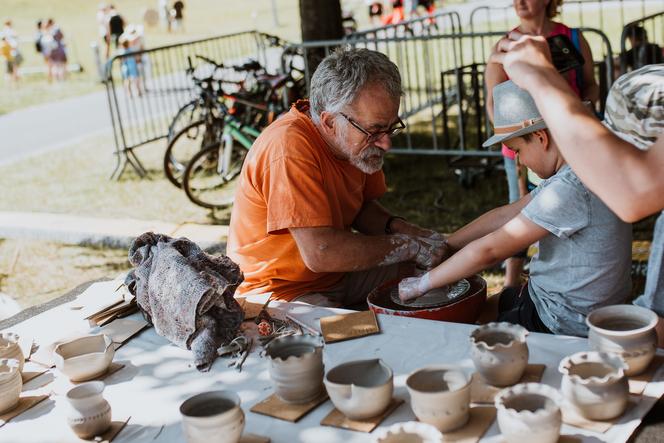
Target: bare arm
x=493, y=75
x=514, y=236
x=591, y=88
x=371, y=218
x=486, y=223
x=626, y=179
x=326, y=249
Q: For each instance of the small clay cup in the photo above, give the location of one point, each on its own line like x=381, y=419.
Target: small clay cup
x=360, y=389
x=9, y=348
x=594, y=383
x=500, y=352
x=529, y=412
x=409, y=432
x=627, y=330
x=440, y=396
x=89, y=413
x=212, y=416
x=296, y=367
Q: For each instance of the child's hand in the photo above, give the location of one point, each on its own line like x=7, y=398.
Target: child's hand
x=413, y=287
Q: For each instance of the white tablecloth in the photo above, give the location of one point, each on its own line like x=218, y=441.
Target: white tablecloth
x=158, y=376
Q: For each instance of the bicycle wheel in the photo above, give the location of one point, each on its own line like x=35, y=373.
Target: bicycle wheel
x=191, y=139
x=206, y=182
x=186, y=115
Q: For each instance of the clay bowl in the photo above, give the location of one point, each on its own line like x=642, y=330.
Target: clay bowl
x=410, y=432
x=500, y=352
x=11, y=384
x=627, y=330
x=296, y=367
x=212, y=416
x=360, y=389
x=465, y=310
x=84, y=358
x=529, y=412
x=440, y=396
x=9, y=348
x=594, y=383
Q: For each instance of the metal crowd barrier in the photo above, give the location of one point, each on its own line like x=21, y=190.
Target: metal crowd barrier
x=639, y=47
x=138, y=119
x=443, y=22
x=443, y=79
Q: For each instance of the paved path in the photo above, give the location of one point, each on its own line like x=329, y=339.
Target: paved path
x=116, y=232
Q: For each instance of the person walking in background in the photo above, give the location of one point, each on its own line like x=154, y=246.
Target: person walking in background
x=375, y=11
x=177, y=16
x=130, y=70
x=10, y=51
x=115, y=28
x=641, y=52
x=57, y=54
x=536, y=18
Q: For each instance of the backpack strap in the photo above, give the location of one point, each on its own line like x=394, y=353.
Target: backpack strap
x=575, y=35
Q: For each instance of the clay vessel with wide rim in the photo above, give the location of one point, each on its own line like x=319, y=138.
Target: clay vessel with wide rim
x=296, y=367
x=529, y=412
x=360, y=389
x=9, y=348
x=212, y=416
x=409, y=431
x=10, y=384
x=84, y=358
x=627, y=330
x=440, y=396
x=89, y=413
x=499, y=352
x=594, y=383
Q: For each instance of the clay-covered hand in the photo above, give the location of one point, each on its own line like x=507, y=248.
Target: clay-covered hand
x=522, y=56
x=431, y=252
x=413, y=287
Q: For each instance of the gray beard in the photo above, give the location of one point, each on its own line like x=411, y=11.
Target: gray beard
x=369, y=161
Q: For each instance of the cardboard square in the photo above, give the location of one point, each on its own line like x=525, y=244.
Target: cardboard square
x=347, y=326
x=99, y=297
x=339, y=420
x=123, y=329
x=483, y=393
x=26, y=344
x=108, y=436
x=638, y=383
x=573, y=418
x=480, y=419
x=276, y=408
x=24, y=403
x=32, y=370
x=253, y=438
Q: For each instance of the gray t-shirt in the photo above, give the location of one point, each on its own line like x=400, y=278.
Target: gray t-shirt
x=653, y=297
x=585, y=262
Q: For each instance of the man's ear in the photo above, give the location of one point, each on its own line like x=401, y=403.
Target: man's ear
x=328, y=121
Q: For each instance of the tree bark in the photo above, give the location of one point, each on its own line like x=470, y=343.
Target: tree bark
x=319, y=20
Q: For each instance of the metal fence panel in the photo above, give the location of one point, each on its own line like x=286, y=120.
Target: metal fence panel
x=142, y=117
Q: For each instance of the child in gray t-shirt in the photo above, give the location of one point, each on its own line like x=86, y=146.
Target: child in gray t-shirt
x=584, y=256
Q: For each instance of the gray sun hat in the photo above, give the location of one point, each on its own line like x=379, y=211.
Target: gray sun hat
x=514, y=113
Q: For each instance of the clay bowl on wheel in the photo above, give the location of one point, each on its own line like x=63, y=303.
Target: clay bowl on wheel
x=464, y=309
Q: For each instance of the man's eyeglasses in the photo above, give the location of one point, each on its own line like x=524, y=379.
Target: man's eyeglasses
x=395, y=129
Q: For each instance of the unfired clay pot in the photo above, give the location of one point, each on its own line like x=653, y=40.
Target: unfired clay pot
x=440, y=396
x=296, y=367
x=212, y=416
x=84, y=358
x=10, y=384
x=529, y=412
x=409, y=432
x=500, y=352
x=9, y=348
x=594, y=383
x=626, y=329
x=360, y=389
x=89, y=413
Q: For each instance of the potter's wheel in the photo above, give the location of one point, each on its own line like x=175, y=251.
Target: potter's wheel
x=435, y=298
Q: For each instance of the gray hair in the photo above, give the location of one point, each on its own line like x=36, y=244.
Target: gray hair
x=342, y=75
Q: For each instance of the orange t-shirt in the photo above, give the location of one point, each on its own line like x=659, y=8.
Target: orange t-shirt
x=291, y=179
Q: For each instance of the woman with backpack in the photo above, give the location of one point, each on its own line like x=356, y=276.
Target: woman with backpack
x=536, y=18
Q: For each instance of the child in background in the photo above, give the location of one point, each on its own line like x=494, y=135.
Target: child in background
x=584, y=257
x=130, y=73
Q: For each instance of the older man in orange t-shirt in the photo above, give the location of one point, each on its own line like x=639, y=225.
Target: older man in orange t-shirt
x=306, y=224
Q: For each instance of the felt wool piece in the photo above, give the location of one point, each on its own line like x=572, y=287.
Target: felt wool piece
x=186, y=293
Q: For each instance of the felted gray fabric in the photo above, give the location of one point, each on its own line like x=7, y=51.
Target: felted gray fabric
x=186, y=294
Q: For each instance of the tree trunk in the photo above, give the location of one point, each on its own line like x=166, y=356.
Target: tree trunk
x=319, y=20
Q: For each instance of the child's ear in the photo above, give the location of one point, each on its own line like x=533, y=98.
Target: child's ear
x=543, y=137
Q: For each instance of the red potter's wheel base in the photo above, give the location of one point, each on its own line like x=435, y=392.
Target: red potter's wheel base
x=466, y=310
